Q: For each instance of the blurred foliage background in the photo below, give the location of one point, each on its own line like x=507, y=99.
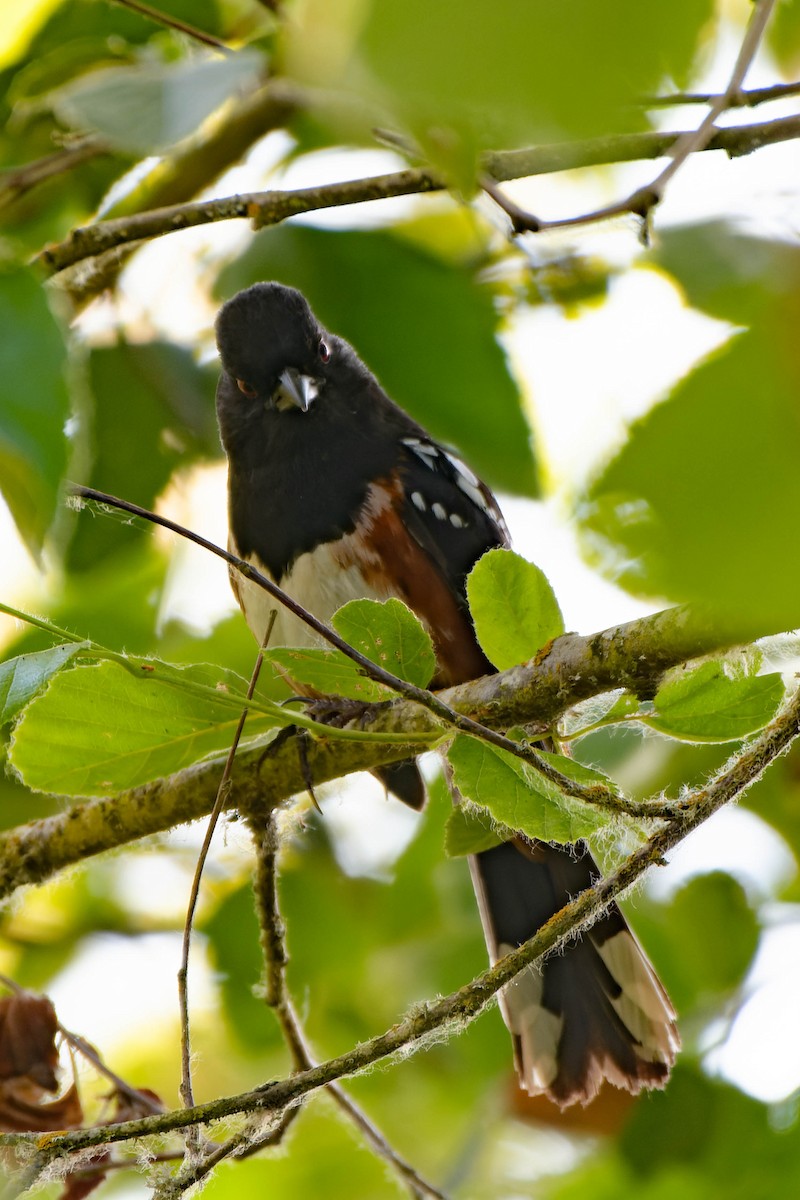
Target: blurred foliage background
x=106, y=376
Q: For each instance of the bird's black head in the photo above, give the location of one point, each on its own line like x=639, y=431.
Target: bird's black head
x=305, y=425
x=273, y=349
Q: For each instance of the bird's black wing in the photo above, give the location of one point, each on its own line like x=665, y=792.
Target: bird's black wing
x=448, y=510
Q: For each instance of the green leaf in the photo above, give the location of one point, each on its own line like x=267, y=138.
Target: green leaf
x=329, y=672
x=513, y=606
x=783, y=34
x=100, y=729
x=727, y=273
x=390, y=635
x=491, y=75
x=710, y=705
x=445, y=360
x=578, y=772
x=34, y=406
x=732, y=1143
x=623, y=706
x=519, y=797
x=607, y=709
x=697, y=504
x=118, y=602
x=716, y=932
x=174, y=426
x=170, y=100
x=22, y=677
x=469, y=830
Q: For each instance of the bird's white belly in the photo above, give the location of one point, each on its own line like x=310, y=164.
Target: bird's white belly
x=318, y=581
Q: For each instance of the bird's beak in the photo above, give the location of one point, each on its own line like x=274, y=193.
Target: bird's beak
x=295, y=390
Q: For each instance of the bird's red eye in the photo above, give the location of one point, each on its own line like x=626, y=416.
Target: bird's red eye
x=324, y=351
x=246, y=390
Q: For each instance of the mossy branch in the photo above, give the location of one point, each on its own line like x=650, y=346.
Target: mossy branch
x=571, y=669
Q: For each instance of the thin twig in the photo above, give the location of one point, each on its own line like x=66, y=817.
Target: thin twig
x=744, y=98
x=263, y=824
x=272, y=207
x=143, y=1099
x=249, y=1142
x=186, y=1092
x=153, y=14
x=462, y=1006
x=264, y=828
x=643, y=200
x=689, y=143
x=19, y=180
x=244, y=1144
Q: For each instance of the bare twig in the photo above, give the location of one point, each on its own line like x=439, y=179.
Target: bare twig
x=643, y=200
x=273, y=207
x=142, y=1099
x=263, y=826
x=574, y=668
x=416, y=1183
x=219, y=805
x=262, y=208
x=744, y=98
x=17, y=182
x=462, y=1006
x=187, y=170
x=248, y=1141
x=153, y=14
x=243, y=1145
x=688, y=143
x=272, y=931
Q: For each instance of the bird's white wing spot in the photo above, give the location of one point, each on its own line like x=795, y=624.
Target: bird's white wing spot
x=462, y=469
x=465, y=480
x=425, y=451
x=474, y=493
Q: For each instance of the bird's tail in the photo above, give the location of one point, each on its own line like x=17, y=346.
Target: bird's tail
x=594, y=1011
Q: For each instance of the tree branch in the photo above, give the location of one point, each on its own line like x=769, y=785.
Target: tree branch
x=190, y=168
x=273, y=207
x=19, y=180
x=744, y=98
x=451, y=1012
x=160, y=18
x=570, y=669
x=186, y=1088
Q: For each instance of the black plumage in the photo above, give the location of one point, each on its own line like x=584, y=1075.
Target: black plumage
x=337, y=493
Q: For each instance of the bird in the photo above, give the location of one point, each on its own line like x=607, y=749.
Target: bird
x=335, y=493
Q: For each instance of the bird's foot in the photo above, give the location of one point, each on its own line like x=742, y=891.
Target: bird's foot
x=338, y=711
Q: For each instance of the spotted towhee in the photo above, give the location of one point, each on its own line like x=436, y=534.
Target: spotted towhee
x=337, y=494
